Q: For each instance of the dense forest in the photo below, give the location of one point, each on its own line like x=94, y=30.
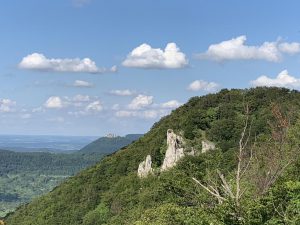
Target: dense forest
x=26, y=175
x=252, y=177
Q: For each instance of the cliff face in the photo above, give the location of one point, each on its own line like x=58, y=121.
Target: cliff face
x=145, y=167
x=175, y=150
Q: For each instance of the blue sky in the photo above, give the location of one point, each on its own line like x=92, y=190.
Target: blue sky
x=89, y=67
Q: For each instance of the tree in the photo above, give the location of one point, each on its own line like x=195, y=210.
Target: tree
x=234, y=193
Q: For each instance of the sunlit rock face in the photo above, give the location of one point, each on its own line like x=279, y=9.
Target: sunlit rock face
x=145, y=167
x=207, y=146
x=175, y=150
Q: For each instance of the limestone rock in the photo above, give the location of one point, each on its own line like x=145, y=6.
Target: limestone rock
x=175, y=150
x=145, y=167
x=207, y=146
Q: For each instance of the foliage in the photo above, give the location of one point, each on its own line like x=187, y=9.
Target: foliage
x=26, y=175
x=111, y=192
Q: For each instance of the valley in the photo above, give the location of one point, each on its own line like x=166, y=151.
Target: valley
x=27, y=175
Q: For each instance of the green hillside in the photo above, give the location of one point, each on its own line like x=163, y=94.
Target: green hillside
x=107, y=145
x=26, y=175
x=257, y=136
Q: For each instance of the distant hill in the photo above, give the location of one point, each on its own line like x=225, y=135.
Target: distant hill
x=26, y=175
x=107, y=145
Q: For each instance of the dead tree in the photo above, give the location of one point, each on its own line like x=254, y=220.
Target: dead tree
x=229, y=192
x=274, y=156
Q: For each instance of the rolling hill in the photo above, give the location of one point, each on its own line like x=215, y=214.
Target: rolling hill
x=108, y=145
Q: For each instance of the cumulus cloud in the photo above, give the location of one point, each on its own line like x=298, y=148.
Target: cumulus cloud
x=146, y=114
x=125, y=92
x=54, y=102
x=201, y=85
x=283, y=79
x=95, y=106
x=236, y=49
x=144, y=56
x=37, y=61
x=7, y=105
x=83, y=104
x=141, y=101
x=171, y=104
x=82, y=83
x=81, y=98
x=289, y=48
x=143, y=107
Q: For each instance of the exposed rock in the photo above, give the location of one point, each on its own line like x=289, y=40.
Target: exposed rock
x=175, y=150
x=207, y=146
x=145, y=167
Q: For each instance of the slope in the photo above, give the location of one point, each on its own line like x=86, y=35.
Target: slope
x=108, y=145
x=26, y=175
x=112, y=193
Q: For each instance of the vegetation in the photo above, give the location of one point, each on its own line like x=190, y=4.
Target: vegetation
x=251, y=178
x=108, y=145
x=26, y=175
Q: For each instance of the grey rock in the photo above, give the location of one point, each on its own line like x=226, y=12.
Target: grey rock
x=175, y=150
x=145, y=167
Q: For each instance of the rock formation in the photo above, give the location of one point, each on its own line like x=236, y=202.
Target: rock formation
x=175, y=150
x=145, y=167
x=207, y=145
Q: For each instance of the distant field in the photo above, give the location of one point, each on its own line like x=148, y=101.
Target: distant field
x=30, y=171
x=32, y=143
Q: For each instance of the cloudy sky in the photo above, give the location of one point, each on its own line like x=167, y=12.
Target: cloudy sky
x=90, y=67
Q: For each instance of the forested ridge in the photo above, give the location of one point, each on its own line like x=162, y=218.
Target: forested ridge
x=252, y=177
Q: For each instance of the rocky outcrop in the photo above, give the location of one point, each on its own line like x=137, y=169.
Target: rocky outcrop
x=145, y=167
x=175, y=150
x=207, y=146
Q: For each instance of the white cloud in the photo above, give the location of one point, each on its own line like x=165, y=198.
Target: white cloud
x=141, y=101
x=147, y=114
x=144, y=56
x=82, y=83
x=236, y=49
x=289, y=48
x=54, y=102
x=81, y=98
x=7, y=105
x=95, y=106
x=126, y=113
x=171, y=104
x=283, y=79
x=143, y=107
x=37, y=61
x=125, y=92
x=201, y=85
